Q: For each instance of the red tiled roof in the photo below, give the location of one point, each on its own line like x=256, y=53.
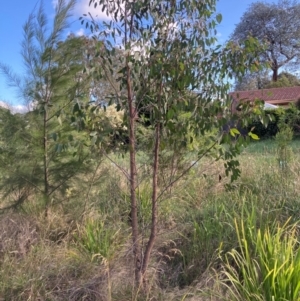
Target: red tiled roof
x=276, y=96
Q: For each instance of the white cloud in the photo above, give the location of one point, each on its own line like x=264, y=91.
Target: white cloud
x=54, y=3
x=19, y=109
x=14, y=108
x=80, y=32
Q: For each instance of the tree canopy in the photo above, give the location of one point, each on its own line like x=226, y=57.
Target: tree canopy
x=277, y=27
x=262, y=80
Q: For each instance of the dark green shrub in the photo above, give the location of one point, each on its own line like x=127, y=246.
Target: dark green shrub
x=290, y=116
x=264, y=132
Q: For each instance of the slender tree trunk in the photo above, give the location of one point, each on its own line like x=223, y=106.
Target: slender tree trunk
x=275, y=75
x=137, y=251
x=154, y=212
x=275, y=70
x=45, y=162
x=133, y=183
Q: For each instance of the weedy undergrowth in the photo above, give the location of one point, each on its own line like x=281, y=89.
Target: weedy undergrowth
x=265, y=265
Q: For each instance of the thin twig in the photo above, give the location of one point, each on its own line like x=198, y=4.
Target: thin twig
x=120, y=167
x=186, y=171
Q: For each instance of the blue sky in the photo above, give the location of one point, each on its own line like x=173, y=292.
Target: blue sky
x=15, y=13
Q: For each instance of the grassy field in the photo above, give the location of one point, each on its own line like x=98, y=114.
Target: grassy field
x=82, y=250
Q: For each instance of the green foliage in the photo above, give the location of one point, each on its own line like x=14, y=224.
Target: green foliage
x=16, y=175
x=283, y=139
x=108, y=121
x=262, y=80
x=169, y=78
x=266, y=264
x=21, y=137
x=292, y=118
x=98, y=240
x=48, y=149
x=285, y=79
x=289, y=116
x=265, y=132
x=195, y=219
x=208, y=228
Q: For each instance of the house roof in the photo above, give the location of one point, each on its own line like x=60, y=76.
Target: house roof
x=275, y=96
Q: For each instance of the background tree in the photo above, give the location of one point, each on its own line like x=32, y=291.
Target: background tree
x=15, y=153
x=53, y=82
x=91, y=52
x=170, y=65
x=252, y=81
x=285, y=79
x=262, y=80
x=277, y=27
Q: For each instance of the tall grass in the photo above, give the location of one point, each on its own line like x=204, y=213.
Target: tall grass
x=63, y=262
x=265, y=266
x=102, y=243
x=98, y=240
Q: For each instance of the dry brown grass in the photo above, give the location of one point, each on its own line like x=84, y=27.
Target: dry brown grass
x=40, y=260
x=18, y=234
